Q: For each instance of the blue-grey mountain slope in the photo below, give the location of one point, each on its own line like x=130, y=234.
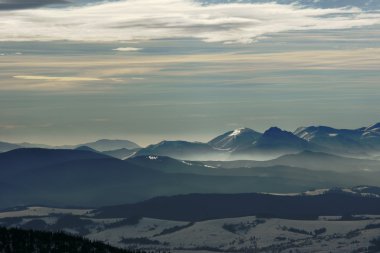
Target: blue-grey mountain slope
x=362, y=141
x=307, y=159
x=84, y=178
x=107, y=145
x=182, y=150
x=5, y=146
x=234, y=140
x=199, y=207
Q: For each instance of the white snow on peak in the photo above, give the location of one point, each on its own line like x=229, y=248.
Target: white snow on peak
x=333, y=135
x=238, y=131
x=209, y=166
x=153, y=157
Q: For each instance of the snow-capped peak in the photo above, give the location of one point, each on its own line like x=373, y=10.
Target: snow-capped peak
x=239, y=131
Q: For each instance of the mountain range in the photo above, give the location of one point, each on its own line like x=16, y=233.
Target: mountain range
x=86, y=178
x=244, y=143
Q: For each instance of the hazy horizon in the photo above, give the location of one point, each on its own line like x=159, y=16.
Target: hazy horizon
x=145, y=140
x=197, y=70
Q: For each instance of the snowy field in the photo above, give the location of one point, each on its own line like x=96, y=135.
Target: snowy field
x=245, y=234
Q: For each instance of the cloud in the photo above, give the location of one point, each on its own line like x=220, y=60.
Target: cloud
x=59, y=78
x=10, y=126
x=131, y=20
x=127, y=49
x=117, y=72
x=26, y=4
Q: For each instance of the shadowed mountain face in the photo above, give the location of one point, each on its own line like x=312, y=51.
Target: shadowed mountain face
x=20, y=160
x=181, y=150
x=4, y=146
x=122, y=153
x=273, y=143
x=83, y=178
x=307, y=159
x=199, y=207
x=347, y=141
x=277, y=139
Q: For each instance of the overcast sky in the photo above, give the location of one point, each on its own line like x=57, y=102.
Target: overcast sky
x=148, y=70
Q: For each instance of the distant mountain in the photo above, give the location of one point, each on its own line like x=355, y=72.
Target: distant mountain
x=86, y=148
x=84, y=178
x=276, y=139
x=170, y=165
x=371, y=135
x=5, y=146
x=245, y=143
x=324, y=161
x=347, y=141
x=100, y=145
x=23, y=159
x=34, y=145
x=274, y=142
x=107, y=145
x=309, y=160
x=268, y=170
x=237, y=139
x=181, y=150
x=199, y=207
x=122, y=153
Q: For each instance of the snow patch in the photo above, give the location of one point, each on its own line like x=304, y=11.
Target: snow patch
x=236, y=132
x=316, y=192
x=153, y=157
x=187, y=163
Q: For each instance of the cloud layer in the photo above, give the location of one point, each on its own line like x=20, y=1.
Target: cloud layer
x=132, y=20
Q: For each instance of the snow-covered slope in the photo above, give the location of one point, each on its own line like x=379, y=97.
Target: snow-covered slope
x=242, y=234
x=349, y=141
x=236, y=139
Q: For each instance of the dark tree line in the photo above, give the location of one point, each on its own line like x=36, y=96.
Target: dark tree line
x=13, y=240
x=375, y=246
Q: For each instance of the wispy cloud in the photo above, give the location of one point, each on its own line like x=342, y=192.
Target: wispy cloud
x=10, y=126
x=91, y=74
x=59, y=78
x=127, y=49
x=151, y=19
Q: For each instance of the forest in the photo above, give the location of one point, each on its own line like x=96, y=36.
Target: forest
x=13, y=240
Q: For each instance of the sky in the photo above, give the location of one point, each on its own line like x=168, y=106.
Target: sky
x=149, y=70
